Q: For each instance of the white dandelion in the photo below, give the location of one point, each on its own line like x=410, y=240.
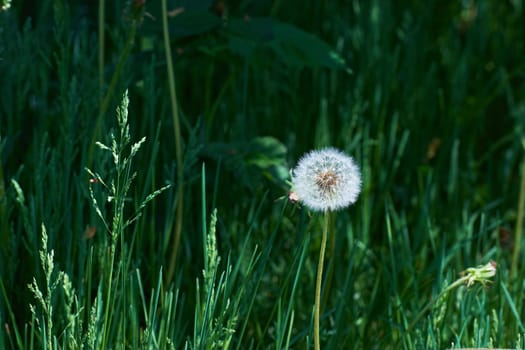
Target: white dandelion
x=326, y=179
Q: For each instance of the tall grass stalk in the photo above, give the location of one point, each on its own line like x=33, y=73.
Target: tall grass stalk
x=45, y=295
x=117, y=195
x=178, y=145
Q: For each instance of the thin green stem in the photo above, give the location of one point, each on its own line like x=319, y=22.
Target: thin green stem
x=178, y=146
x=101, y=45
x=317, y=342
x=519, y=224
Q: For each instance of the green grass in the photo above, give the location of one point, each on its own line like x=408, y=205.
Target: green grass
x=427, y=97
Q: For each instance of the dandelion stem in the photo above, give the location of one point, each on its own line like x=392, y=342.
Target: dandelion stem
x=319, y=281
x=330, y=269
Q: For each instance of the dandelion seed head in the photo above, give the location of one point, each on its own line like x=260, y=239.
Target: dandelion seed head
x=326, y=179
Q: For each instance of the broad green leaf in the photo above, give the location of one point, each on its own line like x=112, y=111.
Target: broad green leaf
x=303, y=48
x=289, y=43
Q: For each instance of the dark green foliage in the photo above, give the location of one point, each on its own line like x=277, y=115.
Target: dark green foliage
x=427, y=96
